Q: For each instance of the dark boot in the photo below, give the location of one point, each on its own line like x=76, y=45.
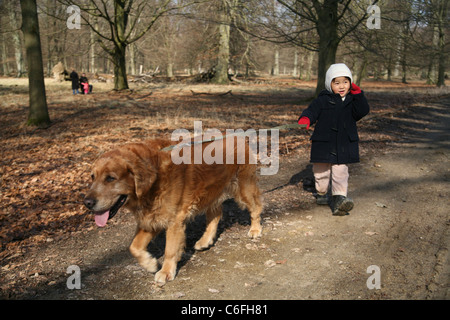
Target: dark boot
x=341, y=205
x=322, y=199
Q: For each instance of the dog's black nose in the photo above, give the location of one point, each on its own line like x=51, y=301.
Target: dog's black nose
x=90, y=203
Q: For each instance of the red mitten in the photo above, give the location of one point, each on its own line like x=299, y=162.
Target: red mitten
x=355, y=89
x=305, y=120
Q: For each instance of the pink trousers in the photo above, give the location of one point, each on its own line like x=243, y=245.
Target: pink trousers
x=339, y=178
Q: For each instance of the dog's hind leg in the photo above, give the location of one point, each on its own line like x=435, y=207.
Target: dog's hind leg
x=138, y=249
x=249, y=196
x=213, y=216
x=255, y=209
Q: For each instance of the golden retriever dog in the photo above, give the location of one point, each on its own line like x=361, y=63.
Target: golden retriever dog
x=163, y=195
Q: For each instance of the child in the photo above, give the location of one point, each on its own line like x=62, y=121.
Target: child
x=85, y=87
x=335, y=138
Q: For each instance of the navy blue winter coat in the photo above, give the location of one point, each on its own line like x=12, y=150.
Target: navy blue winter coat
x=335, y=137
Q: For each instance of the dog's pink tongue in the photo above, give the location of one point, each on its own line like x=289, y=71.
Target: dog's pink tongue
x=101, y=219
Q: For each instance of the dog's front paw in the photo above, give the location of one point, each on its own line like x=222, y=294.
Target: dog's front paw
x=255, y=232
x=161, y=277
x=149, y=263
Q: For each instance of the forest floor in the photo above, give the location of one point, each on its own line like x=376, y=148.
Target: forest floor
x=400, y=223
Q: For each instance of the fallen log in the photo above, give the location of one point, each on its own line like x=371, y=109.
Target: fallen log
x=211, y=94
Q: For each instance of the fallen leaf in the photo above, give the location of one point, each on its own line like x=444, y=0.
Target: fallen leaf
x=250, y=285
x=381, y=205
x=251, y=246
x=270, y=263
x=178, y=295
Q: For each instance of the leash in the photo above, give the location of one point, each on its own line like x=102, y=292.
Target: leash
x=282, y=127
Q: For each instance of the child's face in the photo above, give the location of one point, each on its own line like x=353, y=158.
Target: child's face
x=340, y=85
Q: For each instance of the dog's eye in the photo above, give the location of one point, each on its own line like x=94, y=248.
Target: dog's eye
x=110, y=179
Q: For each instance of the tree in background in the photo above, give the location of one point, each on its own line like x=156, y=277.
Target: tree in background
x=14, y=22
x=226, y=8
x=264, y=35
x=126, y=22
x=441, y=20
x=411, y=41
x=331, y=21
x=38, y=111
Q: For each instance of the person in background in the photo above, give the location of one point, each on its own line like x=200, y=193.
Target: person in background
x=83, y=80
x=75, y=81
x=85, y=87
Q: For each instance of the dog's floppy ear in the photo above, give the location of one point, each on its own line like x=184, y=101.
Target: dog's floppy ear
x=144, y=174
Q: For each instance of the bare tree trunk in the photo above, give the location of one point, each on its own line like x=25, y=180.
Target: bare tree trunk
x=362, y=70
x=310, y=65
x=132, y=53
x=431, y=74
x=398, y=56
x=92, y=53
x=389, y=68
x=38, y=112
x=302, y=65
x=120, y=68
x=5, y=56
x=276, y=63
x=406, y=40
x=18, y=53
x=295, y=70
x=443, y=55
x=169, y=70
x=221, y=75
x=327, y=28
x=93, y=40
x=17, y=41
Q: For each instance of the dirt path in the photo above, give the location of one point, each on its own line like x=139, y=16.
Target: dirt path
x=400, y=224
